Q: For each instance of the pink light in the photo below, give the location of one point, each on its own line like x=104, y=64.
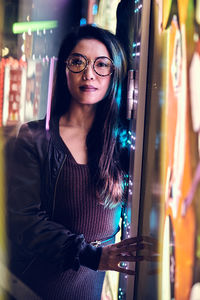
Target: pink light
x=52, y=63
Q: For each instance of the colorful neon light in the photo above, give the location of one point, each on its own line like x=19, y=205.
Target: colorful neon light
x=21, y=27
x=52, y=67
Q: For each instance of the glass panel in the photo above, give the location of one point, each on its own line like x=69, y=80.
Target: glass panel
x=136, y=44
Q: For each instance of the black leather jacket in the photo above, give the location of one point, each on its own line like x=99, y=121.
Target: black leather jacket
x=33, y=175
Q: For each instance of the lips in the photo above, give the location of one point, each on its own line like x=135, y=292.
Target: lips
x=87, y=88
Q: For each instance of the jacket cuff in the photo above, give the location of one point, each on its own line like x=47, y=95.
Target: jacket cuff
x=90, y=256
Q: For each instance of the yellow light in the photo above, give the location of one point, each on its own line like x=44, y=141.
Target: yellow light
x=5, y=51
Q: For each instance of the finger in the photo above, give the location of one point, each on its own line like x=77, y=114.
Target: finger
x=138, y=239
x=147, y=250
x=151, y=248
x=124, y=258
x=129, y=249
x=129, y=241
x=125, y=271
x=149, y=239
x=153, y=241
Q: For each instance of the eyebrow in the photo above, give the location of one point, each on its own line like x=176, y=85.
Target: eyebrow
x=80, y=54
x=77, y=54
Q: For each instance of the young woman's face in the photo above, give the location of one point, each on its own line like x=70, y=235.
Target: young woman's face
x=87, y=87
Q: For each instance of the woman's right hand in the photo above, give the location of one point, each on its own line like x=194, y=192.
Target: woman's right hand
x=126, y=251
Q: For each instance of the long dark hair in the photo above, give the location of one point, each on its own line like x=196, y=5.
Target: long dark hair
x=101, y=139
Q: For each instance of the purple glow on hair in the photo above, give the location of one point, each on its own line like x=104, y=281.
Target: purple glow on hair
x=51, y=72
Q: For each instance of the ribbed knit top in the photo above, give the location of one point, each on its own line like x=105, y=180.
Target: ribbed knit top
x=79, y=210
x=77, y=206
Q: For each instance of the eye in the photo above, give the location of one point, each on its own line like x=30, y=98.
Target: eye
x=76, y=62
x=102, y=64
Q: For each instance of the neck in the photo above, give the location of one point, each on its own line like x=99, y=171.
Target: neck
x=81, y=116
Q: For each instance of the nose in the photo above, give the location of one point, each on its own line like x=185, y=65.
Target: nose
x=88, y=73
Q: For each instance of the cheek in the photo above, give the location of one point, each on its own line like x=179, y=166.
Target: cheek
x=71, y=81
x=106, y=85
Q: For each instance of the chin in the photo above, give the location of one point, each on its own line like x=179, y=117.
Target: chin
x=90, y=102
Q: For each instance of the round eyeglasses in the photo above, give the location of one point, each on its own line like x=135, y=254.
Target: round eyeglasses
x=102, y=65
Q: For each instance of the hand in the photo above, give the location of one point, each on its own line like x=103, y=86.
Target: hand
x=125, y=251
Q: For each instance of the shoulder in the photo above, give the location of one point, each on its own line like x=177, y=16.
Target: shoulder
x=32, y=127
x=34, y=130
x=33, y=137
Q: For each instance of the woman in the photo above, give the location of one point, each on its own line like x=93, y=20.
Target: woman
x=66, y=193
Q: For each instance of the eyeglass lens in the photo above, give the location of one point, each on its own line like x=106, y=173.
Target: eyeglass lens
x=102, y=65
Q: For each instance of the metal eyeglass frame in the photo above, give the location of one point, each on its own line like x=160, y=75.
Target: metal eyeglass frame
x=87, y=63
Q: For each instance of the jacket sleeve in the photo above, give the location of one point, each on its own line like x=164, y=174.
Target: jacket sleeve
x=29, y=226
